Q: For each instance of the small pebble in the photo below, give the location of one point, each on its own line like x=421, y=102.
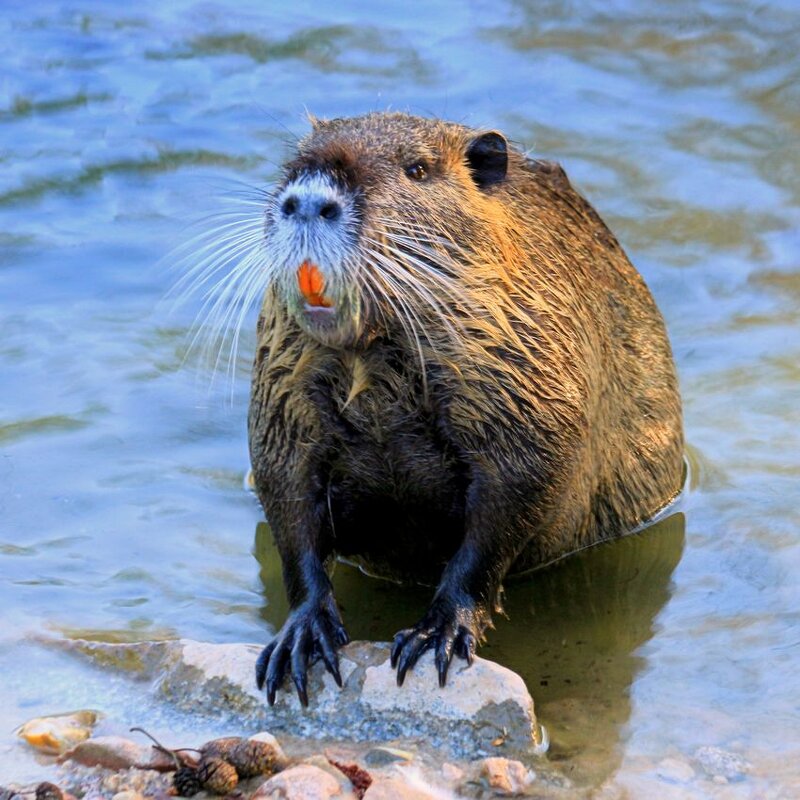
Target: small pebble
x=506, y=775
x=716, y=762
x=382, y=756
x=281, y=761
x=302, y=782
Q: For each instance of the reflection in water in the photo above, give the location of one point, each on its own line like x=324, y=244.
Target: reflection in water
x=572, y=631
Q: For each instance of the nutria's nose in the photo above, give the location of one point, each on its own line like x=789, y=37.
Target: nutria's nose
x=306, y=207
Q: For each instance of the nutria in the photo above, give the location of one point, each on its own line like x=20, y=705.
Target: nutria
x=458, y=371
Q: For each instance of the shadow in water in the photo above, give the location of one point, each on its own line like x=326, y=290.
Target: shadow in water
x=572, y=631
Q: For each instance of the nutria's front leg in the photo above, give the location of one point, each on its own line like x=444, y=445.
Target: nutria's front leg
x=313, y=630
x=468, y=591
x=294, y=502
x=453, y=624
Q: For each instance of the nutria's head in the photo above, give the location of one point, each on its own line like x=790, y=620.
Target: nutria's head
x=376, y=221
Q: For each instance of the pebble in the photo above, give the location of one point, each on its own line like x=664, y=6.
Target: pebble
x=382, y=756
x=719, y=763
x=281, y=761
x=505, y=775
x=303, y=782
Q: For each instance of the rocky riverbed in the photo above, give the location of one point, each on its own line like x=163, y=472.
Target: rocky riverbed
x=476, y=738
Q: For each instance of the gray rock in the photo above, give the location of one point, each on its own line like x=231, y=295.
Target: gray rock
x=719, y=763
x=479, y=704
x=382, y=756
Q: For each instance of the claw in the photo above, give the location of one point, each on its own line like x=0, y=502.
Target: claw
x=262, y=662
x=472, y=646
x=451, y=628
x=444, y=654
x=301, y=684
x=341, y=636
x=312, y=632
x=330, y=659
x=397, y=646
x=276, y=670
x=300, y=652
x=419, y=645
x=467, y=649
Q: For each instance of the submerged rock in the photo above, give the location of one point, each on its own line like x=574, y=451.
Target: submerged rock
x=719, y=763
x=57, y=733
x=481, y=704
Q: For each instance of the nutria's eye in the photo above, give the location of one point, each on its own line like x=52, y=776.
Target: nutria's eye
x=417, y=172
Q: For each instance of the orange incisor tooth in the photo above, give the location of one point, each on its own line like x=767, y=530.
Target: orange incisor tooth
x=311, y=284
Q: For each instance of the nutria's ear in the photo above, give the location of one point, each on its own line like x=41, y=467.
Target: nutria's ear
x=487, y=156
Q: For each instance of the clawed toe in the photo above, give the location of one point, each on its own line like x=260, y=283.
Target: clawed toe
x=446, y=633
x=308, y=635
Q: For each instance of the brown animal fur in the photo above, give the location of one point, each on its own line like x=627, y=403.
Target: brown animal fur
x=541, y=416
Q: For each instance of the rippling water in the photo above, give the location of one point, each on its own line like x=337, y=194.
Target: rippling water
x=122, y=512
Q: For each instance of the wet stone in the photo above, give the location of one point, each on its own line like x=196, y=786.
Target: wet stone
x=463, y=718
x=506, y=775
x=719, y=763
x=452, y=773
x=303, y=782
x=382, y=756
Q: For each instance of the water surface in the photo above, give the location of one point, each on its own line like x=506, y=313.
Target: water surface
x=122, y=512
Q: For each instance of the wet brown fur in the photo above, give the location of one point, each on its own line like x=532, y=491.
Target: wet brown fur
x=541, y=417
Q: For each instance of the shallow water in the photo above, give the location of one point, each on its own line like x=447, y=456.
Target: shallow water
x=122, y=512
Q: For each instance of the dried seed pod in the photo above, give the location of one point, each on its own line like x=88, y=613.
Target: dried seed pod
x=186, y=781
x=48, y=791
x=217, y=775
x=220, y=748
x=251, y=757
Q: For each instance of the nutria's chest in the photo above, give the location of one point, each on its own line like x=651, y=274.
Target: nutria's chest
x=391, y=472
x=385, y=435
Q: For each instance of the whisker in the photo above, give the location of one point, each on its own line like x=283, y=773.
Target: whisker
x=424, y=292
x=226, y=265
x=407, y=325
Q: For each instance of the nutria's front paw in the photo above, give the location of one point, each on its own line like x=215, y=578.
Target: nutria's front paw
x=448, y=627
x=313, y=630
